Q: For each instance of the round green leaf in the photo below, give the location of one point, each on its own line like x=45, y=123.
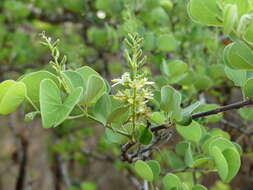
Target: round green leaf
x=220, y=162
x=73, y=80
x=171, y=181
x=192, y=132
x=12, y=94
x=143, y=170
x=234, y=162
x=205, y=11
x=248, y=88
x=155, y=167
x=94, y=90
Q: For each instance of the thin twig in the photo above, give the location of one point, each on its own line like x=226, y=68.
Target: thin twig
x=220, y=109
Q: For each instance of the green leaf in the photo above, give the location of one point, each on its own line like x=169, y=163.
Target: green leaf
x=199, y=187
x=119, y=115
x=193, y=132
x=174, y=161
x=181, y=147
x=53, y=110
x=166, y=42
x=157, y=118
x=12, y=94
x=239, y=77
x=114, y=137
x=246, y=113
x=229, y=18
x=199, y=162
x=205, y=11
x=249, y=33
x=220, y=162
x=188, y=156
x=94, y=90
x=202, y=81
x=242, y=6
x=32, y=82
x=171, y=182
x=248, y=88
x=170, y=100
x=155, y=167
x=145, y=135
x=233, y=160
x=221, y=143
x=103, y=108
x=220, y=132
x=174, y=68
x=73, y=80
x=143, y=170
x=238, y=55
x=185, y=186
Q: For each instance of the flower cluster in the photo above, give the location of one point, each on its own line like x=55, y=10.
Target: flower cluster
x=127, y=96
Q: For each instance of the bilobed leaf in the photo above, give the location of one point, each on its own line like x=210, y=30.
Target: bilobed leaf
x=171, y=181
x=220, y=132
x=192, y=132
x=204, y=11
x=103, y=108
x=233, y=160
x=248, y=88
x=119, y=115
x=230, y=17
x=221, y=143
x=238, y=55
x=239, y=77
x=170, y=100
x=94, y=90
x=143, y=170
x=53, y=109
x=73, y=80
x=220, y=162
x=12, y=94
x=86, y=72
x=174, y=67
x=155, y=167
x=32, y=82
x=199, y=187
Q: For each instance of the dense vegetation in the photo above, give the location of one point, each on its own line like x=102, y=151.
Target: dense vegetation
x=158, y=91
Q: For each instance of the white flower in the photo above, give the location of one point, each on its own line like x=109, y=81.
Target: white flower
x=125, y=78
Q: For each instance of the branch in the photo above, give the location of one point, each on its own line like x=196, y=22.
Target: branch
x=220, y=109
x=236, y=105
